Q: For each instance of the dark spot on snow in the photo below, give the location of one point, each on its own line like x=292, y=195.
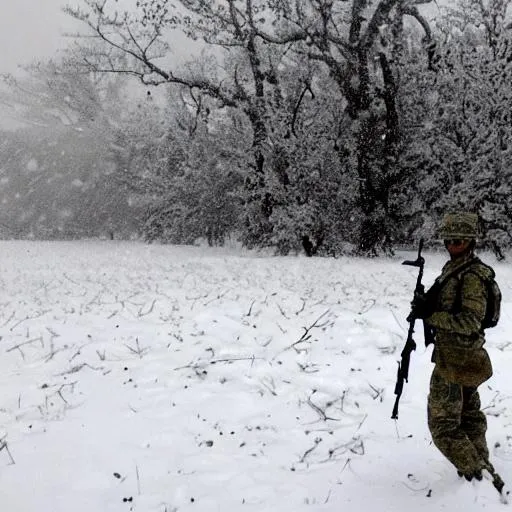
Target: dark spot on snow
x=117, y=475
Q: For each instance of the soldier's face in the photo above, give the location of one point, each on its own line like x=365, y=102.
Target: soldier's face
x=457, y=247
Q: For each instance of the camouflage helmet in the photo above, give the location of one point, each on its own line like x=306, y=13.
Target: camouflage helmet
x=459, y=225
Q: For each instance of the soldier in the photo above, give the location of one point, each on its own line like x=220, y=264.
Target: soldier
x=454, y=308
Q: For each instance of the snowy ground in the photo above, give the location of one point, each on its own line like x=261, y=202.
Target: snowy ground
x=158, y=378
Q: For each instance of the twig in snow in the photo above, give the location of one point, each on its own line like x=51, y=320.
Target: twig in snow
x=138, y=478
x=306, y=335
x=267, y=343
x=250, y=308
x=78, y=367
x=318, y=440
x=227, y=360
x=358, y=448
x=397, y=321
x=396, y=430
x=377, y=392
x=411, y=478
x=140, y=351
x=367, y=306
x=302, y=308
x=142, y=313
x=9, y=319
x=218, y=297
x=319, y=411
x=53, y=351
x=78, y=352
x=53, y=334
x=308, y=367
x=19, y=345
x=70, y=280
x=4, y=446
x=347, y=464
x=59, y=391
x=281, y=310
x=178, y=337
x=272, y=383
x=354, y=446
x=342, y=399
x=195, y=299
x=362, y=421
x=28, y=317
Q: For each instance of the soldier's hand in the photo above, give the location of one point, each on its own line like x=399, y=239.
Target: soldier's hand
x=418, y=306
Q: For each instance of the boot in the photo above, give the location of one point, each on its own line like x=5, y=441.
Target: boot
x=476, y=474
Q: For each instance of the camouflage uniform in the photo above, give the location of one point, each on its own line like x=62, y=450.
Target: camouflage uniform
x=455, y=420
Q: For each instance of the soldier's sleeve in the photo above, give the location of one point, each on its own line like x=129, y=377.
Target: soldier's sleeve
x=468, y=321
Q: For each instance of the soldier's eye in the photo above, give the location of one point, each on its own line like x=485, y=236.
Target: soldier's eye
x=453, y=241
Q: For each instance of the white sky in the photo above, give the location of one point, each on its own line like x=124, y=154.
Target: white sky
x=31, y=29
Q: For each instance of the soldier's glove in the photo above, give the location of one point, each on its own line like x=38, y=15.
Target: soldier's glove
x=418, y=306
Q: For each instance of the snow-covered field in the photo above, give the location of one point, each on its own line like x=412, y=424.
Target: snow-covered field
x=160, y=378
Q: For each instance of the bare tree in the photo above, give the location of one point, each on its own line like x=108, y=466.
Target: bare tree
x=359, y=42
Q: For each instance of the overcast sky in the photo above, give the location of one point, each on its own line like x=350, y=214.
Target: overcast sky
x=31, y=29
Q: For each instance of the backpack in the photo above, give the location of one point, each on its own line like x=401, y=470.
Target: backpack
x=493, y=307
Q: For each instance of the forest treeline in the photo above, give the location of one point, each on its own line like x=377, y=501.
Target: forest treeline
x=323, y=126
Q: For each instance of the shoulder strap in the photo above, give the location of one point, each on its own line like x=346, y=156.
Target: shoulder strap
x=456, y=271
x=466, y=268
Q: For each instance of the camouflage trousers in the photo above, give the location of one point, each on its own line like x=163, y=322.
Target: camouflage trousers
x=457, y=424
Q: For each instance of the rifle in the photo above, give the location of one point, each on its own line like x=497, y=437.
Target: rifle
x=410, y=345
